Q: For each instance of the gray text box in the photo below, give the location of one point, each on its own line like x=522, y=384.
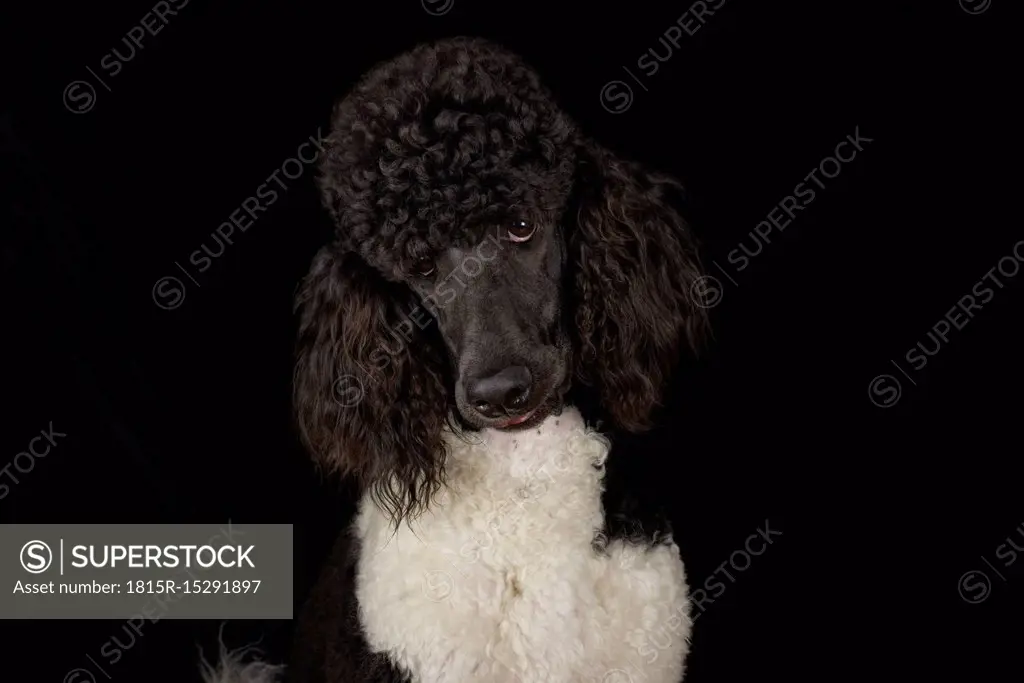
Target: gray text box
x=146, y=571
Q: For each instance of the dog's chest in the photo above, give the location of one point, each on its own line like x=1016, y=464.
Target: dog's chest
x=500, y=582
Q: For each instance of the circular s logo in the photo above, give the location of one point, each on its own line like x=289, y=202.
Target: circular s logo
x=884, y=391
x=438, y=586
x=36, y=557
x=616, y=97
x=706, y=291
x=79, y=676
x=437, y=8
x=348, y=391
x=974, y=586
x=79, y=97
x=975, y=6
x=168, y=293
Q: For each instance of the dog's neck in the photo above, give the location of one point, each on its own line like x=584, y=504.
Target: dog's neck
x=521, y=454
x=560, y=448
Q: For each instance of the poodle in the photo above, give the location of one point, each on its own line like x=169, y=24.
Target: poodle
x=501, y=296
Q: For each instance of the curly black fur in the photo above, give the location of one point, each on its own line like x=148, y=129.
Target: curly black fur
x=423, y=153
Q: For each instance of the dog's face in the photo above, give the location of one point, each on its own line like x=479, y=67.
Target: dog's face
x=454, y=179
x=498, y=306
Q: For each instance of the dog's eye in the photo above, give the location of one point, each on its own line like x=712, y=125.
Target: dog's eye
x=520, y=231
x=423, y=268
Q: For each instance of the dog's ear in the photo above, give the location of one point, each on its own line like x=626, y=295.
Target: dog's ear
x=635, y=268
x=369, y=394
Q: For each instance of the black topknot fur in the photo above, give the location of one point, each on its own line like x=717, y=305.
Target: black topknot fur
x=429, y=146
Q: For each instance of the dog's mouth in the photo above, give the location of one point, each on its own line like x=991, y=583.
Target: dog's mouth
x=515, y=420
x=551, y=406
x=521, y=421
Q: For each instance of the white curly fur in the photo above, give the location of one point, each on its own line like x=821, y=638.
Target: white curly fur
x=499, y=582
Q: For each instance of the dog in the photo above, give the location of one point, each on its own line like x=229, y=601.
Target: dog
x=502, y=295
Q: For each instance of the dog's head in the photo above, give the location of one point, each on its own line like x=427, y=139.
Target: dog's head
x=487, y=255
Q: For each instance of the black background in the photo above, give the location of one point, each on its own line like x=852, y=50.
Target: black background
x=183, y=415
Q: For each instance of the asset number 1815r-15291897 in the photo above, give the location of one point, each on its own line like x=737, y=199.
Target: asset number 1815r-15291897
x=170, y=586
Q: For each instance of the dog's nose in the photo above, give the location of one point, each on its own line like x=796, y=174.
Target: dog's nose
x=502, y=393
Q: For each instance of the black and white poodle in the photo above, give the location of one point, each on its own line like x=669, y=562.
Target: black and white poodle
x=501, y=295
